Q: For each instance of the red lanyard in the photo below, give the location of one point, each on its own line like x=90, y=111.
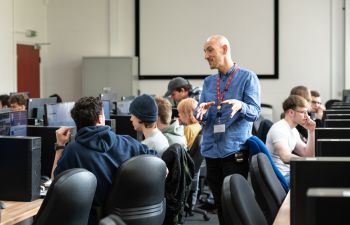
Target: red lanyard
x=221, y=96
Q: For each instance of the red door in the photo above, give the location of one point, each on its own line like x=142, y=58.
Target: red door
x=28, y=70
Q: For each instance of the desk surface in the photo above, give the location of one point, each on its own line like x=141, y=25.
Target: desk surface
x=283, y=215
x=18, y=211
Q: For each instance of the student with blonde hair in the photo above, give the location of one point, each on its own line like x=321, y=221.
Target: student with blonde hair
x=192, y=126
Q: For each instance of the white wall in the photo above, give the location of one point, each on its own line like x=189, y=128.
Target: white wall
x=309, y=44
x=7, y=78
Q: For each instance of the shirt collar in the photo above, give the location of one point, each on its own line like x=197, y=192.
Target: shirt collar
x=228, y=72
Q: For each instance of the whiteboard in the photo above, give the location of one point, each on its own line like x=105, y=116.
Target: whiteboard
x=171, y=35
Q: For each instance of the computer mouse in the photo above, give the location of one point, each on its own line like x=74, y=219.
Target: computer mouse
x=2, y=205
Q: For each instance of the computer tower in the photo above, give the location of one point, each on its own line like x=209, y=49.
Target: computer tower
x=20, y=168
x=48, y=140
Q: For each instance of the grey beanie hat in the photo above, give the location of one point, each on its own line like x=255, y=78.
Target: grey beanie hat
x=144, y=107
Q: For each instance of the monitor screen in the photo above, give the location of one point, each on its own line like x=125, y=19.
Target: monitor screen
x=18, y=123
x=13, y=123
x=35, y=107
x=337, y=122
x=338, y=132
x=332, y=147
x=328, y=206
x=5, y=122
x=59, y=114
x=312, y=172
x=106, y=108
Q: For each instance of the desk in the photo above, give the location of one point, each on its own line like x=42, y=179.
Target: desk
x=283, y=215
x=18, y=211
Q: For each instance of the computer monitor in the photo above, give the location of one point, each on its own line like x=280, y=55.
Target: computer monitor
x=5, y=122
x=18, y=123
x=333, y=147
x=329, y=132
x=124, y=126
x=313, y=172
x=327, y=206
x=13, y=123
x=337, y=111
x=106, y=109
x=35, y=107
x=346, y=95
x=336, y=122
x=59, y=114
x=111, y=97
x=338, y=116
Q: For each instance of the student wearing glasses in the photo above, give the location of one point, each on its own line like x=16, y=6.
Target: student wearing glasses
x=317, y=108
x=283, y=139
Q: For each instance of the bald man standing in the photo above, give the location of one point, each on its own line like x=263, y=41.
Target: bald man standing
x=228, y=106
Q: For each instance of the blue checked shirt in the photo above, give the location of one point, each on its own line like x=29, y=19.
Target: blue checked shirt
x=244, y=87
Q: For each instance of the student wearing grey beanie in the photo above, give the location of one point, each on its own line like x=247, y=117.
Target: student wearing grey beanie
x=144, y=114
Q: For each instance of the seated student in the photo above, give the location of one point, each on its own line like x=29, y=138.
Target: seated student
x=96, y=148
x=18, y=102
x=4, y=101
x=283, y=138
x=171, y=129
x=306, y=94
x=144, y=114
x=317, y=108
x=192, y=126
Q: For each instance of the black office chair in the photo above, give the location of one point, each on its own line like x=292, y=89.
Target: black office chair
x=112, y=219
x=264, y=128
x=238, y=203
x=137, y=192
x=178, y=182
x=269, y=192
x=69, y=199
x=195, y=153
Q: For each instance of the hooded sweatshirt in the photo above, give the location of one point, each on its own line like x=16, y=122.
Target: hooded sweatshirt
x=101, y=151
x=175, y=134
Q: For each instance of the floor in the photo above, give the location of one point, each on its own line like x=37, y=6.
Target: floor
x=197, y=219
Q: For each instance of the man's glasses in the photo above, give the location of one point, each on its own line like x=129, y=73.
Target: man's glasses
x=315, y=102
x=299, y=111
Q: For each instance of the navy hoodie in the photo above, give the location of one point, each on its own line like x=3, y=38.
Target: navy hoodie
x=101, y=151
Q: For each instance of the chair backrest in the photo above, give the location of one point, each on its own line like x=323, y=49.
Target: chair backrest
x=69, y=199
x=195, y=152
x=264, y=128
x=269, y=192
x=179, y=179
x=239, y=206
x=112, y=219
x=137, y=192
x=256, y=146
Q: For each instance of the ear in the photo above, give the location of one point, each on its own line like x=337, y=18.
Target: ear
x=224, y=48
x=100, y=120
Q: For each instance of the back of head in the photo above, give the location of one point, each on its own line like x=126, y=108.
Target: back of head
x=86, y=112
x=144, y=107
x=294, y=101
x=18, y=102
x=301, y=91
x=164, y=110
x=4, y=100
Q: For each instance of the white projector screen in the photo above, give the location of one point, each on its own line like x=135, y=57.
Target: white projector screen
x=170, y=35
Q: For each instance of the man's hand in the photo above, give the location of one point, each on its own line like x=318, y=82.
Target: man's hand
x=202, y=109
x=309, y=124
x=62, y=135
x=236, y=105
